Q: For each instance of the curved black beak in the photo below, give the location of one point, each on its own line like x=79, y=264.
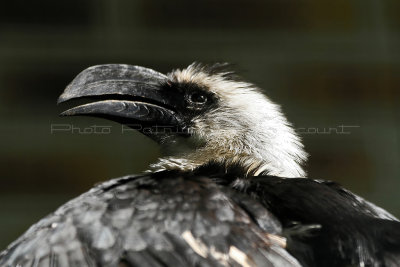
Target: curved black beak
x=127, y=94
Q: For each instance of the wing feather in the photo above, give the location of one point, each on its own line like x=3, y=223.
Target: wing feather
x=166, y=219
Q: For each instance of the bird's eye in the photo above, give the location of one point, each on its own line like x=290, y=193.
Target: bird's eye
x=198, y=98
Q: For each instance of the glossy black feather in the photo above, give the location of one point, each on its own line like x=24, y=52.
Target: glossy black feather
x=141, y=221
x=353, y=231
x=325, y=224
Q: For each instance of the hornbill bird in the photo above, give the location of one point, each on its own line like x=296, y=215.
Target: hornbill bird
x=230, y=190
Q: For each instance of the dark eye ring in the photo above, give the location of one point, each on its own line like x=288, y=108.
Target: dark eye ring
x=198, y=98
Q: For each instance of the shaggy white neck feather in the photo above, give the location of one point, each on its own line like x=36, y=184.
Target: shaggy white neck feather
x=247, y=128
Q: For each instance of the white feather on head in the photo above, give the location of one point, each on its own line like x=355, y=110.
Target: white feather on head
x=246, y=128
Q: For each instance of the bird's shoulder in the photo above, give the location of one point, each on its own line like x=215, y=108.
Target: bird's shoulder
x=352, y=229
x=313, y=194
x=158, y=219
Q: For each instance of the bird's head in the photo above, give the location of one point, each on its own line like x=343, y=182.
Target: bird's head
x=198, y=115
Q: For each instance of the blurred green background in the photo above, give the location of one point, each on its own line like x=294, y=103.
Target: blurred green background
x=334, y=66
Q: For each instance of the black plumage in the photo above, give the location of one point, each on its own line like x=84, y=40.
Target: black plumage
x=142, y=221
x=325, y=224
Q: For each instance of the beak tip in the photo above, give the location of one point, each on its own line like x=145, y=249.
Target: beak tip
x=63, y=114
x=62, y=98
x=69, y=112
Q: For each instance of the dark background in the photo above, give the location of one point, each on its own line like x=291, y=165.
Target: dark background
x=328, y=63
